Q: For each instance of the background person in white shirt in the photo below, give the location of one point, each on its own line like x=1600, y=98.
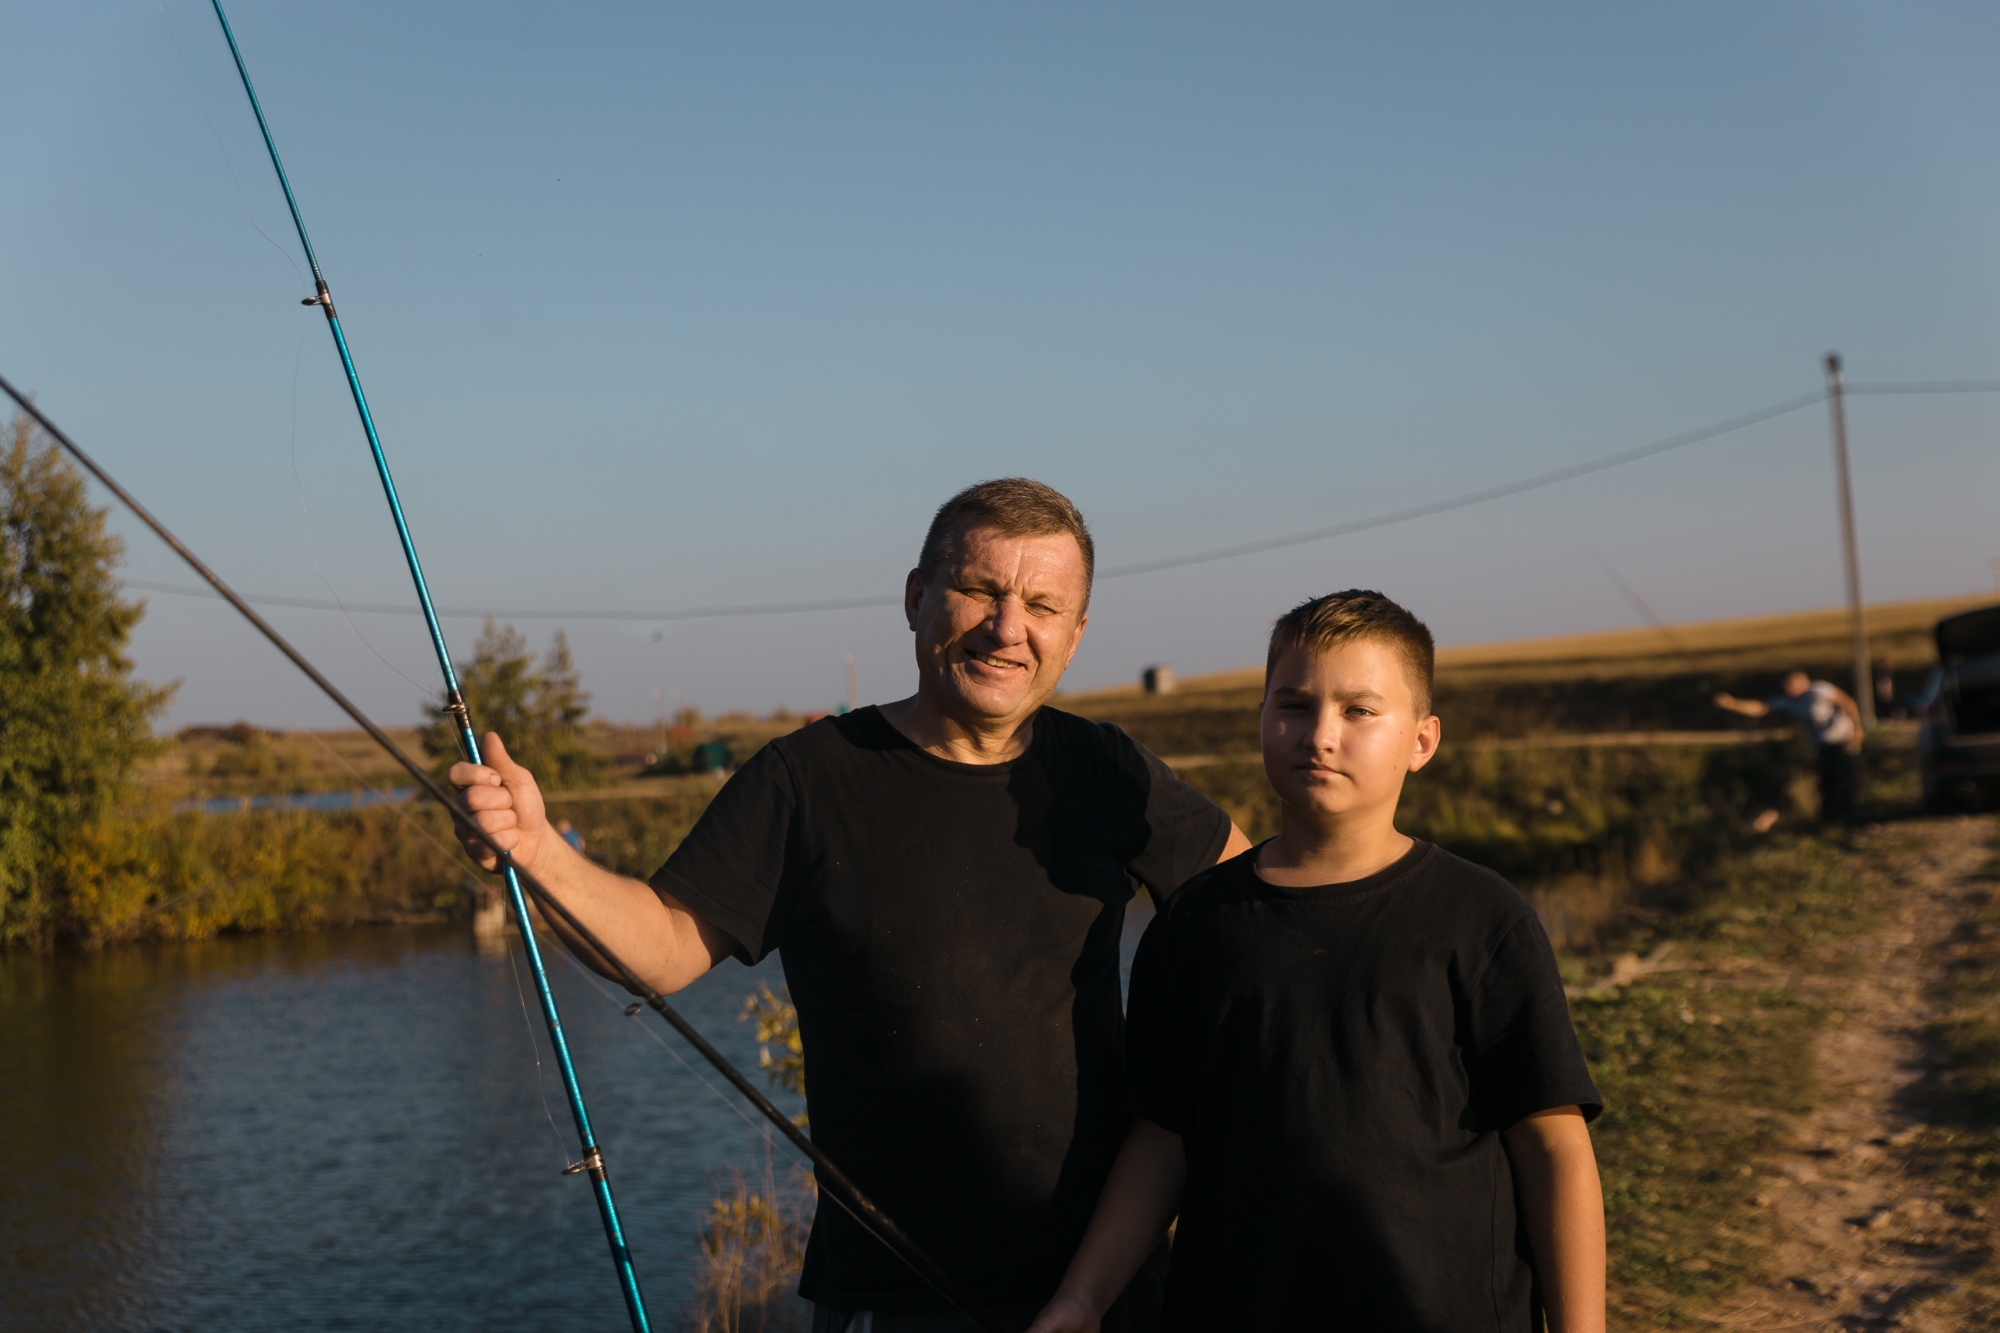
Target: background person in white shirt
x=1831, y=718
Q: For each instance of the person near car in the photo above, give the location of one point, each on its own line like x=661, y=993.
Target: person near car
x=1833, y=721
x=944, y=879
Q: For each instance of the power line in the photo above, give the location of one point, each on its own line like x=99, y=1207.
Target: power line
x=1464, y=500
x=530, y=613
x=1481, y=496
x=1927, y=386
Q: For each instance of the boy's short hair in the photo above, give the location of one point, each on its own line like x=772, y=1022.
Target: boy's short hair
x=1019, y=507
x=1321, y=624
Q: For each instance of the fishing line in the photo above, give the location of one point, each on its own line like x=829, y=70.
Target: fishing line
x=185, y=897
x=242, y=199
x=535, y=1049
x=243, y=203
x=312, y=542
x=401, y=809
x=1641, y=603
x=625, y=1007
x=866, y=1212
x=534, y=1046
x=728, y=1101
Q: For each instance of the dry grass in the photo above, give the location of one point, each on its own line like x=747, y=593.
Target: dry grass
x=752, y=1246
x=1702, y=1068
x=240, y=760
x=1960, y=1149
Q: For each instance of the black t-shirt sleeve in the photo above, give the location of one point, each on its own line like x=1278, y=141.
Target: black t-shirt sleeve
x=730, y=870
x=1161, y=1047
x=1524, y=1053
x=1186, y=831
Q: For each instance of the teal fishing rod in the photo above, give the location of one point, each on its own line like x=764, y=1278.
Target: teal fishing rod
x=591, y=1160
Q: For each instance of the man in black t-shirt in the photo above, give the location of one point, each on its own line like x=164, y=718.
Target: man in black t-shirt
x=945, y=880
x=1349, y=1052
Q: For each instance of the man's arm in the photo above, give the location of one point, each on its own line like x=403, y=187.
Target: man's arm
x=667, y=945
x=1747, y=707
x=1555, y=1171
x=1139, y=1200
x=1845, y=703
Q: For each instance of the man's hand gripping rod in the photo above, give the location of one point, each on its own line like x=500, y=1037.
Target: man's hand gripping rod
x=845, y=1191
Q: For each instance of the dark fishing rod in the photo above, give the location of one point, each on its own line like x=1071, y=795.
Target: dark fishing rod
x=831, y=1178
x=591, y=1160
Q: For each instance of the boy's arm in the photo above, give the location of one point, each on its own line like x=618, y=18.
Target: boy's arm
x=1139, y=1200
x=1555, y=1171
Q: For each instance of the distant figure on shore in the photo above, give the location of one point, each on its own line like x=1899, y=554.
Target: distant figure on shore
x=569, y=834
x=1831, y=717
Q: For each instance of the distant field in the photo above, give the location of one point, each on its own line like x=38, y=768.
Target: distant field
x=1898, y=631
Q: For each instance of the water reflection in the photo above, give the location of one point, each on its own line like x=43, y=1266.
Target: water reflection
x=343, y=1130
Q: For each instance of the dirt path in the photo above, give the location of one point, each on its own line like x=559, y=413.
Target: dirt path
x=1860, y=1243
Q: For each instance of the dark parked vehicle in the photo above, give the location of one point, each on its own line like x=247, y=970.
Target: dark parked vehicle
x=1958, y=746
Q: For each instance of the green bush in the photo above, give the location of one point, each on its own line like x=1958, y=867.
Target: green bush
x=1610, y=812
x=159, y=873
x=73, y=722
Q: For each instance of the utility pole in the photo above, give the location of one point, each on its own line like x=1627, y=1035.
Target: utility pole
x=1864, y=676
x=853, y=684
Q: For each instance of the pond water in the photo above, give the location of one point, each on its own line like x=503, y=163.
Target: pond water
x=348, y=1129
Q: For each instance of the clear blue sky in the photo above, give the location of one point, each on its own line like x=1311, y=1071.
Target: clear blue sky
x=664, y=305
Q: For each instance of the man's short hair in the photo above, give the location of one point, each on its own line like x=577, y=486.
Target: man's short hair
x=1322, y=624
x=1019, y=507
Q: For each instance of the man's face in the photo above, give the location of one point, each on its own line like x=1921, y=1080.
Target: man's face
x=1340, y=730
x=1797, y=683
x=998, y=622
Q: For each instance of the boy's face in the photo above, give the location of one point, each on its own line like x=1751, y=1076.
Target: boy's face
x=1340, y=730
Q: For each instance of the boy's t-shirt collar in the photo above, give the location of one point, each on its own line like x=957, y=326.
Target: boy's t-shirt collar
x=1396, y=871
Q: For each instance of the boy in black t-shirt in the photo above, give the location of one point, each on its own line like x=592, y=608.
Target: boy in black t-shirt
x=1348, y=1052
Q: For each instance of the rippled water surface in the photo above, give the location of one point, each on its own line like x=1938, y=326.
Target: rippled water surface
x=343, y=1130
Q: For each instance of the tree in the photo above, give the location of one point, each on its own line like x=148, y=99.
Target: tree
x=73, y=722
x=538, y=710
